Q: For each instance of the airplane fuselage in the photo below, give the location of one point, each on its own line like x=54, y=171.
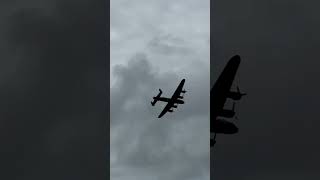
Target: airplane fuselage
x=164, y=99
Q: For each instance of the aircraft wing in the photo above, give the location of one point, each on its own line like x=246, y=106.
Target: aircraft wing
x=218, y=96
x=166, y=109
x=178, y=90
x=173, y=99
x=220, y=90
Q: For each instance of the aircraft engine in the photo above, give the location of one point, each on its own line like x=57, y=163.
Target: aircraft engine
x=236, y=95
x=226, y=113
x=179, y=101
x=224, y=127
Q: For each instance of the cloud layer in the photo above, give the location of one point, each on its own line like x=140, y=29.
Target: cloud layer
x=154, y=44
x=141, y=144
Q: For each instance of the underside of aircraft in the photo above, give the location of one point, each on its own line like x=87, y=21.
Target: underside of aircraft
x=219, y=93
x=173, y=102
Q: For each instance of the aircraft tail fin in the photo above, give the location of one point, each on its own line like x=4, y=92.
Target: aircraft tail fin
x=155, y=99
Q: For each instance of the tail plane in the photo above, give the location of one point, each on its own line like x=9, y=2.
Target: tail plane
x=155, y=99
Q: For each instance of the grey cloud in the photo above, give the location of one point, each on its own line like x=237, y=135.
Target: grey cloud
x=164, y=45
x=154, y=45
x=171, y=147
x=135, y=24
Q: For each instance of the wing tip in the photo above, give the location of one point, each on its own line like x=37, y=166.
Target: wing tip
x=236, y=58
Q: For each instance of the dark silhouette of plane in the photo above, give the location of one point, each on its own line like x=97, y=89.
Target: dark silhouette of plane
x=218, y=96
x=171, y=102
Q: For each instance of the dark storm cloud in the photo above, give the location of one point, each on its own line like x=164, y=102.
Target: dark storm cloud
x=53, y=90
x=278, y=42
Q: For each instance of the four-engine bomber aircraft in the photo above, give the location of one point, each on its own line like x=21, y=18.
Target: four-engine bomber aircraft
x=171, y=102
x=218, y=96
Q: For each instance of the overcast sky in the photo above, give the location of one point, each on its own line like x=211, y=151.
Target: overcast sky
x=154, y=44
x=278, y=122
